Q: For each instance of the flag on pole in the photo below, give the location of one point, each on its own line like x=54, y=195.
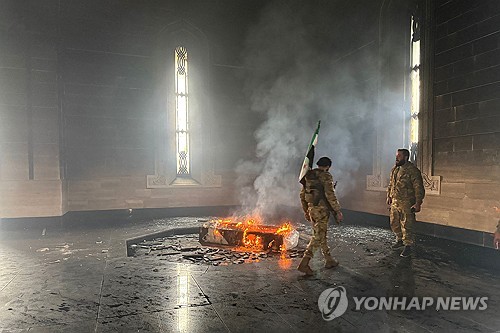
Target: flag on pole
x=308, y=160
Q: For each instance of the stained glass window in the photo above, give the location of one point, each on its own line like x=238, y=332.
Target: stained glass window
x=181, y=112
x=414, y=87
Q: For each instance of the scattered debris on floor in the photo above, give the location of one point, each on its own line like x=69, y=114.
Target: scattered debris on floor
x=187, y=248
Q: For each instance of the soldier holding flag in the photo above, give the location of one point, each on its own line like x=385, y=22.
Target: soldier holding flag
x=318, y=199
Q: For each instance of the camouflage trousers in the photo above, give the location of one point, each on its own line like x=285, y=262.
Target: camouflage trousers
x=319, y=217
x=402, y=222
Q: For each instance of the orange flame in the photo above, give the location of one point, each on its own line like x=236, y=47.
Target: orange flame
x=254, y=224
x=284, y=229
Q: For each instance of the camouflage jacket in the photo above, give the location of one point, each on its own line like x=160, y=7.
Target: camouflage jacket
x=319, y=191
x=406, y=184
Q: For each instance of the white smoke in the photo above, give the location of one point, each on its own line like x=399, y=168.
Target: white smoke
x=298, y=77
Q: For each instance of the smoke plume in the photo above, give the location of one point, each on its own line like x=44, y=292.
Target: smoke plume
x=303, y=70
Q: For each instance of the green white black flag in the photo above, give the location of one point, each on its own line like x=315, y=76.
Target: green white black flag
x=308, y=160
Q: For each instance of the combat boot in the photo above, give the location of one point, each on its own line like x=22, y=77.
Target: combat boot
x=304, y=266
x=330, y=262
x=406, y=251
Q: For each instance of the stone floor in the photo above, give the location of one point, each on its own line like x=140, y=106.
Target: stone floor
x=79, y=279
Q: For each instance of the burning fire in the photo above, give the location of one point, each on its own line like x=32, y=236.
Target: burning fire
x=251, y=227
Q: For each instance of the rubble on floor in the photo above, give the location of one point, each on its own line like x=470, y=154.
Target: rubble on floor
x=187, y=248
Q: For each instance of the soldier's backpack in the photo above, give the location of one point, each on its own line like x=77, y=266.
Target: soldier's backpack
x=314, y=189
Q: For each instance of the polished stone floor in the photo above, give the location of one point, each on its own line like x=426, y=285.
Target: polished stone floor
x=79, y=279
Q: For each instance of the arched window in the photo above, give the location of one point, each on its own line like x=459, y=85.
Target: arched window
x=182, y=111
x=406, y=54
x=183, y=144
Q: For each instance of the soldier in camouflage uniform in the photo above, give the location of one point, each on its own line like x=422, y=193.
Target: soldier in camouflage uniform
x=405, y=195
x=318, y=199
